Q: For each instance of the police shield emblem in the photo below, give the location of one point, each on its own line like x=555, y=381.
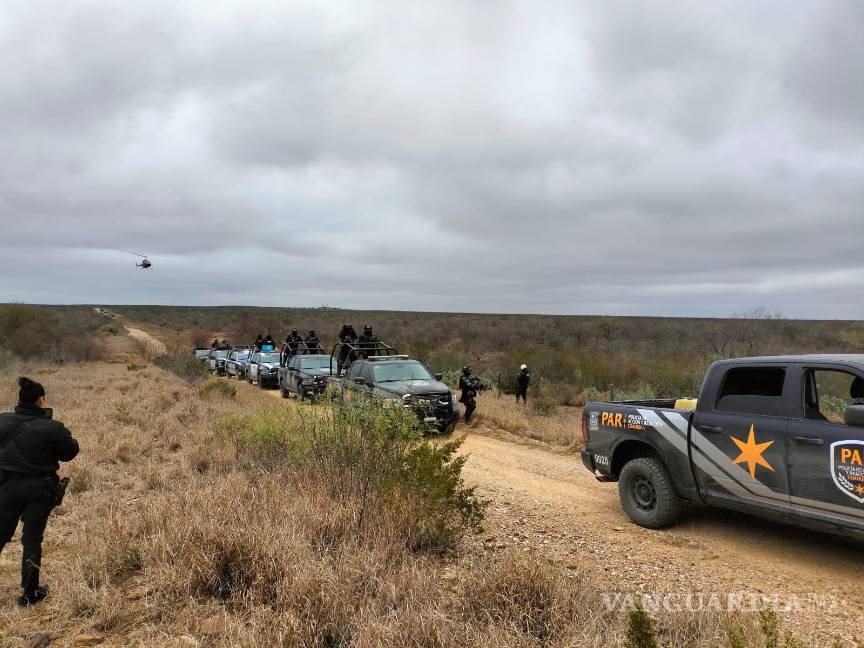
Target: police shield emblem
x=847, y=468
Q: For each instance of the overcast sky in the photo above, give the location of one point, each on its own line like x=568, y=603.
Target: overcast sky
x=660, y=158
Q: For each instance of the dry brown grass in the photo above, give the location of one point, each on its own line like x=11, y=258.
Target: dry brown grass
x=171, y=537
x=557, y=425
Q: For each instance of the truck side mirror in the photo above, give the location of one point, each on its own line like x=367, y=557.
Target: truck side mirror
x=855, y=416
x=359, y=381
x=439, y=377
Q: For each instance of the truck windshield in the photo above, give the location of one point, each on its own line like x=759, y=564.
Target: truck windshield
x=392, y=372
x=318, y=362
x=220, y=354
x=269, y=357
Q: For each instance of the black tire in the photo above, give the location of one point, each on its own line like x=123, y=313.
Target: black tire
x=248, y=379
x=282, y=391
x=448, y=430
x=647, y=493
x=260, y=382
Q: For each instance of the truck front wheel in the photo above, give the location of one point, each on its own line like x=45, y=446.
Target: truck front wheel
x=647, y=493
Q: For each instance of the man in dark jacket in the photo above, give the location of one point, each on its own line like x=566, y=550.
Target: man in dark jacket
x=347, y=336
x=523, y=380
x=294, y=341
x=469, y=386
x=367, y=344
x=313, y=344
x=31, y=445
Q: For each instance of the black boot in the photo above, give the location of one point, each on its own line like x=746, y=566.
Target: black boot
x=32, y=598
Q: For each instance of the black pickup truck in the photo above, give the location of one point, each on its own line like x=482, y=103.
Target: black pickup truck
x=397, y=380
x=776, y=436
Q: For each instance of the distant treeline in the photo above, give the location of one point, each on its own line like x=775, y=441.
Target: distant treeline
x=50, y=333
x=571, y=357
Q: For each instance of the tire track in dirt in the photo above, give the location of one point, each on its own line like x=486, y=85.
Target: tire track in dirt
x=559, y=507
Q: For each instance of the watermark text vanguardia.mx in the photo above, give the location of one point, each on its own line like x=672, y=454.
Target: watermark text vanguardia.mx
x=696, y=602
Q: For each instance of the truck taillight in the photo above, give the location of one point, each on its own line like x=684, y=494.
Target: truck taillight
x=583, y=429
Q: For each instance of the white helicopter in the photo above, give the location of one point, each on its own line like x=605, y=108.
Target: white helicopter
x=145, y=262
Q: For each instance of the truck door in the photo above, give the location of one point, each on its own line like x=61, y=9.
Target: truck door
x=368, y=380
x=739, y=437
x=291, y=374
x=349, y=384
x=826, y=455
x=253, y=367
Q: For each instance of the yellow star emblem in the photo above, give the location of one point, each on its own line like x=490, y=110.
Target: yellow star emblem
x=859, y=490
x=751, y=452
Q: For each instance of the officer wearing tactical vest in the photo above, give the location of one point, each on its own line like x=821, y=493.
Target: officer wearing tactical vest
x=31, y=445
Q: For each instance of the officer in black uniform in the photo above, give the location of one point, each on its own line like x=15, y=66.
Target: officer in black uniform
x=259, y=341
x=367, y=343
x=523, y=380
x=469, y=386
x=347, y=335
x=31, y=445
x=294, y=341
x=313, y=344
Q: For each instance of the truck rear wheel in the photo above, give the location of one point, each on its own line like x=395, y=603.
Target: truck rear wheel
x=647, y=493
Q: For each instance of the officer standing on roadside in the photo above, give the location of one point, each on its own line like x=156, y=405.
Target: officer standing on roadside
x=523, y=380
x=31, y=446
x=469, y=386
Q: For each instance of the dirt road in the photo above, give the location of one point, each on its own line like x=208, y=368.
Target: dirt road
x=545, y=502
x=155, y=345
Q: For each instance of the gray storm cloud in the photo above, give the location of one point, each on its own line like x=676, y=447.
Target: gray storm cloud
x=668, y=158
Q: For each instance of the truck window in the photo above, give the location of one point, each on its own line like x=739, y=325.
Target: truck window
x=827, y=393
x=752, y=390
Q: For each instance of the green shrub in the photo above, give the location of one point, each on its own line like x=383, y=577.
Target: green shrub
x=219, y=387
x=262, y=436
x=736, y=637
x=640, y=629
x=431, y=477
x=132, y=366
x=183, y=365
x=371, y=455
x=112, y=328
x=770, y=625
x=542, y=405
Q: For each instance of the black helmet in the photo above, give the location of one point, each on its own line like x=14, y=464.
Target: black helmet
x=311, y=332
x=367, y=328
x=293, y=331
x=466, y=371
